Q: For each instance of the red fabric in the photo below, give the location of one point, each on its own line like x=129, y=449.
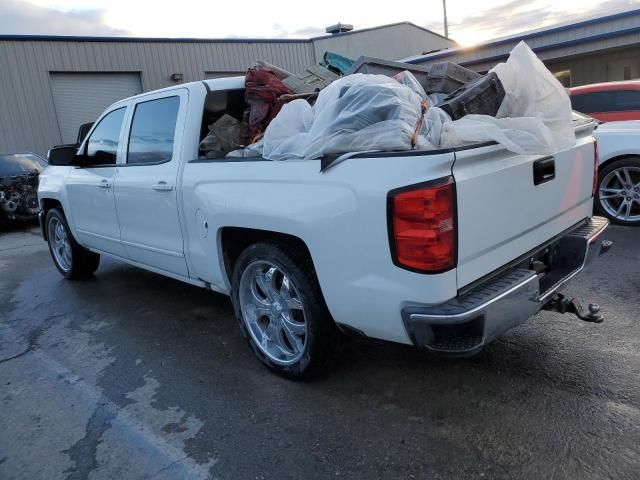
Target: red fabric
x=262, y=90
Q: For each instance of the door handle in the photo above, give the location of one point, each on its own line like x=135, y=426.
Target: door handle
x=544, y=170
x=104, y=184
x=162, y=186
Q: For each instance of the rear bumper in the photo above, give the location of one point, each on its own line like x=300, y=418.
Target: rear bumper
x=470, y=320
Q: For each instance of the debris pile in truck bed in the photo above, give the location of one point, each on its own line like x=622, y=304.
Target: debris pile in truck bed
x=391, y=106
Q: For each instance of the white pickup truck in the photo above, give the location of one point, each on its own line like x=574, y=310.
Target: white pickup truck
x=442, y=249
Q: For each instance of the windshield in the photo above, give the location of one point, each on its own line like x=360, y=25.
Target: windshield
x=20, y=163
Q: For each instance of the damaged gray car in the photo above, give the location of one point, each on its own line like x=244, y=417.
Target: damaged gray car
x=19, y=173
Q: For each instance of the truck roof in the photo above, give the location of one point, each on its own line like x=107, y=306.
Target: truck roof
x=211, y=84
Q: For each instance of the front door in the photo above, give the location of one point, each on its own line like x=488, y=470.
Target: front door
x=146, y=184
x=90, y=187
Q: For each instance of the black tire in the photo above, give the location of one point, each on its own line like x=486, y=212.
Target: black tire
x=599, y=205
x=323, y=338
x=83, y=262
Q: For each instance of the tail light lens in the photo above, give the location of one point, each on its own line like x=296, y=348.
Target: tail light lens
x=422, y=226
x=596, y=168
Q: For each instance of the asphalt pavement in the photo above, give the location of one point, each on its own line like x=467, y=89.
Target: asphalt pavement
x=131, y=375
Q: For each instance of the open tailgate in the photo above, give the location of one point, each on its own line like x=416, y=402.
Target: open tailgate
x=509, y=204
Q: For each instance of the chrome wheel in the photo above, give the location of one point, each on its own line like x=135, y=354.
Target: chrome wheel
x=619, y=194
x=272, y=312
x=60, y=244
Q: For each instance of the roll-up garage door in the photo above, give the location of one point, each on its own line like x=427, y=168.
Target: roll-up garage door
x=81, y=97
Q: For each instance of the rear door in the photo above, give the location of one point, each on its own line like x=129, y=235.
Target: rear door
x=509, y=204
x=147, y=180
x=90, y=187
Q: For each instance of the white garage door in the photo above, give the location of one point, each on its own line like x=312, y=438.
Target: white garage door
x=81, y=97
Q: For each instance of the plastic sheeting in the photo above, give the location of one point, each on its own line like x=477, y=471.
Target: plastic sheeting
x=362, y=113
x=534, y=118
x=355, y=113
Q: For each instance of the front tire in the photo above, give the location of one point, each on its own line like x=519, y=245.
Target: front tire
x=281, y=310
x=618, y=196
x=72, y=260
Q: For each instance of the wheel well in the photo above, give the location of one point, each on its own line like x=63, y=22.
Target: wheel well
x=49, y=203
x=614, y=159
x=234, y=240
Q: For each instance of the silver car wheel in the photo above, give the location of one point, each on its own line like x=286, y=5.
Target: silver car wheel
x=60, y=244
x=273, y=312
x=619, y=194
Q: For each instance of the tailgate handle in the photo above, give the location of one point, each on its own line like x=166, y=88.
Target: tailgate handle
x=544, y=170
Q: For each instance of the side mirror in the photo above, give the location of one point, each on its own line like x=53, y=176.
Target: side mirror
x=62, y=155
x=83, y=131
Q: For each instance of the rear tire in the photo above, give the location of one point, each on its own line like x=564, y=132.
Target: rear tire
x=618, y=196
x=281, y=310
x=71, y=259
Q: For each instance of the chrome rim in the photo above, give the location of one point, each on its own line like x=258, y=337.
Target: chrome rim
x=272, y=312
x=620, y=194
x=60, y=244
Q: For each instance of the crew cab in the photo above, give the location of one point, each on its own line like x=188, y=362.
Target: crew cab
x=443, y=249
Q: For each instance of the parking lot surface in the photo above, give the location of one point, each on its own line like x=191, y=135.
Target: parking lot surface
x=132, y=375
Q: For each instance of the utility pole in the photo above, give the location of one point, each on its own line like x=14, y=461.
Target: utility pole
x=446, y=24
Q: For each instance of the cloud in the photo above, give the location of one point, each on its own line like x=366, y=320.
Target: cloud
x=309, y=32
x=23, y=18
x=306, y=32
x=516, y=16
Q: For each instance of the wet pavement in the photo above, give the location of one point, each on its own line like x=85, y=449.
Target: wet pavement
x=132, y=375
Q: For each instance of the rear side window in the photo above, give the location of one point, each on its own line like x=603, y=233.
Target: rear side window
x=153, y=131
x=102, y=146
x=627, y=100
x=607, y=101
x=224, y=123
x=593, y=102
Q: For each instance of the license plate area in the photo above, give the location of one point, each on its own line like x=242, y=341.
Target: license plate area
x=559, y=261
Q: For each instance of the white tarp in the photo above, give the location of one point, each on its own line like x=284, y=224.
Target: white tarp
x=361, y=112
x=534, y=118
x=356, y=113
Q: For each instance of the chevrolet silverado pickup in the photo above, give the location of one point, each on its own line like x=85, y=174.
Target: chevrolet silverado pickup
x=443, y=249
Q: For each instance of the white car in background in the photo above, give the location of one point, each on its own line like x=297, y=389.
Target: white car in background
x=618, y=194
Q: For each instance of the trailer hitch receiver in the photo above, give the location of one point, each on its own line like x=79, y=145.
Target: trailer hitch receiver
x=561, y=304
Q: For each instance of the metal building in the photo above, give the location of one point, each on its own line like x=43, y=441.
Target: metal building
x=596, y=50
x=49, y=86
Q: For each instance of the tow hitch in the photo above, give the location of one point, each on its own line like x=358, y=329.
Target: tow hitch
x=561, y=304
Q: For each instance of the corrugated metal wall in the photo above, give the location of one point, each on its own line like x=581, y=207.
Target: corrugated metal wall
x=598, y=68
x=27, y=113
x=392, y=42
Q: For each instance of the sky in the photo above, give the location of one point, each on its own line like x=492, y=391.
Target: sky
x=470, y=22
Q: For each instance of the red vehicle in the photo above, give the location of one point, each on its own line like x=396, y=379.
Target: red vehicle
x=609, y=101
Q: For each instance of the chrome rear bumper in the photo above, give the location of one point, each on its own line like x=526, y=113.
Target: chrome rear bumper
x=470, y=320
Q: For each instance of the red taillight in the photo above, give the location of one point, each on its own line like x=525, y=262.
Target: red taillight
x=596, y=167
x=423, y=226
